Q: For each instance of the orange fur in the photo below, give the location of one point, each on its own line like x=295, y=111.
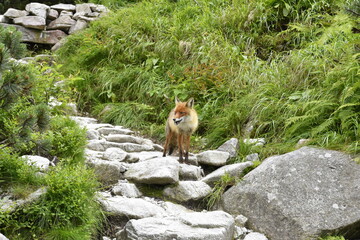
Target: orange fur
x=181, y=123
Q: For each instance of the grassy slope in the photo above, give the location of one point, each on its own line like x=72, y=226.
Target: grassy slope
x=290, y=68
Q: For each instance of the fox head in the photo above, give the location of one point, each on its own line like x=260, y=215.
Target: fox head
x=182, y=111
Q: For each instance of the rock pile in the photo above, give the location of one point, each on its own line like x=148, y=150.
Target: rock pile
x=45, y=24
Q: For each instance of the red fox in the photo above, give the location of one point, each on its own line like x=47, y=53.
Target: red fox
x=181, y=123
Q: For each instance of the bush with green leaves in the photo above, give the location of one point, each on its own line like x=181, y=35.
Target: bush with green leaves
x=68, y=209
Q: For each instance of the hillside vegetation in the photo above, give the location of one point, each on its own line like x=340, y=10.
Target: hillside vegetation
x=289, y=68
x=29, y=126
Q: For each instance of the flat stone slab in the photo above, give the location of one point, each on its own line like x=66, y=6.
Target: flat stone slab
x=213, y=158
x=186, y=191
x=189, y=226
x=132, y=208
x=233, y=170
x=154, y=171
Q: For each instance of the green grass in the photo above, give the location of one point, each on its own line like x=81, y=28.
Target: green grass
x=290, y=67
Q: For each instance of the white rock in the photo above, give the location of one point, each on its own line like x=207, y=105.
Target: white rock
x=66, y=13
x=126, y=189
x=14, y=13
x=62, y=23
x=186, y=191
x=42, y=163
x=78, y=26
x=131, y=208
x=190, y=172
x=4, y=19
x=107, y=171
x=115, y=130
x=115, y=154
x=62, y=6
x=255, y=236
x=213, y=158
x=34, y=22
x=255, y=141
x=38, y=9
x=231, y=146
x=143, y=156
x=234, y=170
x=154, y=171
x=252, y=157
x=190, y=226
x=53, y=14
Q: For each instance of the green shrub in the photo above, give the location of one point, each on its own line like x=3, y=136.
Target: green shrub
x=68, y=208
x=15, y=170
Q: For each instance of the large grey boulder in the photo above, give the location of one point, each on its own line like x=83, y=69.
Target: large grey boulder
x=233, y=170
x=231, y=146
x=186, y=191
x=213, y=158
x=34, y=22
x=190, y=172
x=300, y=195
x=189, y=226
x=154, y=171
x=38, y=9
x=78, y=26
x=14, y=13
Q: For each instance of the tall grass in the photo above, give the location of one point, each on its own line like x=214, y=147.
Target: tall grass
x=290, y=68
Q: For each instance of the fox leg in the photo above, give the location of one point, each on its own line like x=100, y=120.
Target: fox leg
x=187, y=146
x=180, y=145
x=167, y=142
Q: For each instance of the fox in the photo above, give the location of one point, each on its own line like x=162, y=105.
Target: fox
x=180, y=125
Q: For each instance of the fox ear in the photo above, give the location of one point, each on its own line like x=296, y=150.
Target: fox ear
x=177, y=100
x=190, y=103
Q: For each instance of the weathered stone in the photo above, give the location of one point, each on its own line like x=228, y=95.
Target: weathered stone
x=8, y=205
x=34, y=22
x=123, y=138
x=14, y=13
x=300, y=195
x=102, y=145
x=4, y=19
x=234, y=170
x=255, y=141
x=174, y=209
x=2, y=237
x=154, y=171
x=53, y=14
x=92, y=134
x=142, y=156
x=186, y=191
x=38, y=9
x=213, y=158
x=231, y=146
x=190, y=172
x=84, y=8
x=99, y=8
x=115, y=130
x=107, y=171
x=62, y=23
x=37, y=36
x=115, y=154
x=240, y=220
x=131, y=208
x=78, y=26
x=42, y=163
x=252, y=157
x=84, y=121
x=66, y=13
x=62, y=6
x=126, y=189
x=191, y=226
x=255, y=236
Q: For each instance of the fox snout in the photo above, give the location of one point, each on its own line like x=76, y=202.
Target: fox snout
x=177, y=121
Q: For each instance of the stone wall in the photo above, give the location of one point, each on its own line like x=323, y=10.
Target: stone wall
x=45, y=24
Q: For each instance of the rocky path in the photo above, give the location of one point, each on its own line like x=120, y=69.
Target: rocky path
x=133, y=169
